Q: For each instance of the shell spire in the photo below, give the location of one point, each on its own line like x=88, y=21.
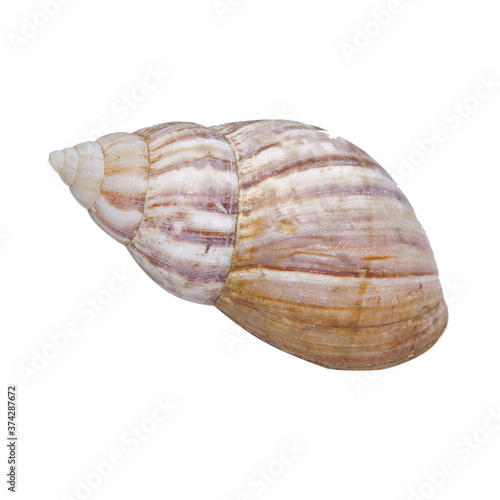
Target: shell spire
x=169, y=193
x=82, y=169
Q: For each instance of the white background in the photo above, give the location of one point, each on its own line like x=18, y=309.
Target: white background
x=358, y=435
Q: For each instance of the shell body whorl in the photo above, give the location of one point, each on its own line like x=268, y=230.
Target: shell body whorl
x=303, y=240
x=330, y=263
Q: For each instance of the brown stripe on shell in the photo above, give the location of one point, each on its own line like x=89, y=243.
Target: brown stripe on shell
x=306, y=164
x=215, y=163
x=361, y=272
x=193, y=234
x=124, y=201
x=329, y=190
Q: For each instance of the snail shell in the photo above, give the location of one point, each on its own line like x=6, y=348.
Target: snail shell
x=303, y=240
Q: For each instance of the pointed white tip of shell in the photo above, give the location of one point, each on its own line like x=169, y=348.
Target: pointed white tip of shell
x=56, y=160
x=82, y=169
x=65, y=163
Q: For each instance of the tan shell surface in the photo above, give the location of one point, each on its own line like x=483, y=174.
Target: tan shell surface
x=330, y=262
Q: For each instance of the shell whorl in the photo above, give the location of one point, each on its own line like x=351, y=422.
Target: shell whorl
x=303, y=240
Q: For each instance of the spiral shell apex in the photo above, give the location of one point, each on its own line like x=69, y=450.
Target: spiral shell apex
x=303, y=240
